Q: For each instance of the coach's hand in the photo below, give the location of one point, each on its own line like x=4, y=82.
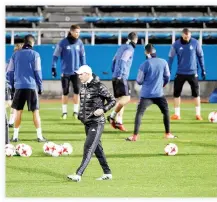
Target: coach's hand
x=98, y=112
x=203, y=74
x=40, y=92
x=54, y=72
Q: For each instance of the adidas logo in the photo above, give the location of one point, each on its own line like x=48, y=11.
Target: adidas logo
x=93, y=129
x=180, y=48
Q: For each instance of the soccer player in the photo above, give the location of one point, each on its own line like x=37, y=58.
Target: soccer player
x=17, y=46
x=121, y=66
x=95, y=100
x=72, y=54
x=24, y=74
x=153, y=75
x=188, y=50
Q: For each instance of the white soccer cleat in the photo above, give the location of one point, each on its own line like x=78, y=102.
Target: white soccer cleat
x=75, y=178
x=105, y=177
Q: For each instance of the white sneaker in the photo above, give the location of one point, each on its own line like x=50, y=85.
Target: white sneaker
x=75, y=178
x=105, y=177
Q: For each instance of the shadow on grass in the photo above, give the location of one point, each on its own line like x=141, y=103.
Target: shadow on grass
x=201, y=144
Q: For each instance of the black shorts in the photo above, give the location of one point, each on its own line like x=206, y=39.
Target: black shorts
x=76, y=83
x=23, y=95
x=120, y=87
x=179, y=82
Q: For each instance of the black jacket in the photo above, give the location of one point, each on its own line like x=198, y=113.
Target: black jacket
x=92, y=97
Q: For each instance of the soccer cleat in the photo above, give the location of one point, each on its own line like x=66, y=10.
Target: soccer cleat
x=75, y=115
x=105, y=177
x=120, y=126
x=169, y=136
x=75, y=178
x=175, y=117
x=198, y=117
x=10, y=125
x=132, y=138
x=42, y=140
x=14, y=139
x=64, y=116
x=111, y=121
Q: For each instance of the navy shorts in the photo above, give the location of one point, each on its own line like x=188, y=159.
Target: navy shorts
x=76, y=83
x=120, y=87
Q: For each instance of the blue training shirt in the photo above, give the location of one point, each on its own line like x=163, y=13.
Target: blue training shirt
x=122, y=61
x=72, y=56
x=153, y=75
x=187, y=55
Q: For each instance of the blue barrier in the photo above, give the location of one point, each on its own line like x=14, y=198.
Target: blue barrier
x=99, y=57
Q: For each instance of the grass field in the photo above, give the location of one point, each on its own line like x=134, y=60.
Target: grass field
x=140, y=169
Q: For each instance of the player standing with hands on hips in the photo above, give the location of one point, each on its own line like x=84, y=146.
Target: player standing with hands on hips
x=188, y=51
x=72, y=54
x=95, y=100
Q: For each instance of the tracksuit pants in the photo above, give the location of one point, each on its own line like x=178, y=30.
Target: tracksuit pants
x=144, y=103
x=93, y=145
x=6, y=130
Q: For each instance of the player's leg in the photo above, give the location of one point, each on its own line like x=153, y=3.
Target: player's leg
x=18, y=105
x=65, y=80
x=143, y=104
x=76, y=83
x=195, y=90
x=178, y=85
x=12, y=114
x=163, y=106
x=6, y=130
x=33, y=105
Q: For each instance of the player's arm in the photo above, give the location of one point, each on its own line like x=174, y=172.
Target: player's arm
x=172, y=54
x=37, y=72
x=200, y=56
x=110, y=99
x=82, y=54
x=113, y=63
x=56, y=54
x=10, y=73
x=141, y=74
x=166, y=75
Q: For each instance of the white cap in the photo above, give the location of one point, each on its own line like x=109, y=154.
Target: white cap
x=84, y=69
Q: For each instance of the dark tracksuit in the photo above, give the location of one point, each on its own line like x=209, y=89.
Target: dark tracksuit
x=7, y=97
x=92, y=97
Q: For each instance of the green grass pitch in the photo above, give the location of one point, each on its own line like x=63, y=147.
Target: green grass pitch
x=140, y=169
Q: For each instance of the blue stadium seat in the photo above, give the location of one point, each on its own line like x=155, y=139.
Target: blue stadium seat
x=203, y=19
x=91, y=19
x=213, y=35
x=195, y=35
x=128, y=19
x=146, y=19
x=109, y=19
x=13, y=18
x=105, y=35
x=85, y=35
x=33, y=18
x=160, y=35
x=184, y=19
x=20, y=34
x=165, y=19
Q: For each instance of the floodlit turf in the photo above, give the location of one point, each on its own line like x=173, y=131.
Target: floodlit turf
x=140, y=169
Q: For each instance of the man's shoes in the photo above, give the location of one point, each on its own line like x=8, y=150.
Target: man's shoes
x=120, y=126
x=75, y=115
x=111, y=121
x=42, y=140
x=175, y=117
x=132, y=138
x=198, y=117
x=169, y=136
x=14, y=139
x=64, y=116
x=75, y=178
x=10, y=125
x=105, y=177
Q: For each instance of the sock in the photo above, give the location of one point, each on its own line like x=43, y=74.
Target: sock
x=177, y=111
x=39, y=133
x=16, y=133
x=119, y=119
x=12, y=117
x=197, y=110
x=113, y=114
x=64, y=108
x=76, y=106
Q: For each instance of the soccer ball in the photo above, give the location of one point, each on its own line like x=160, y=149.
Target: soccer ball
x=56, y=150
x=48, y=147
x=67, y=148
x=25, y=150
x=212, y=117
x=10, y=150
x=19, y=148
x=171, y=149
